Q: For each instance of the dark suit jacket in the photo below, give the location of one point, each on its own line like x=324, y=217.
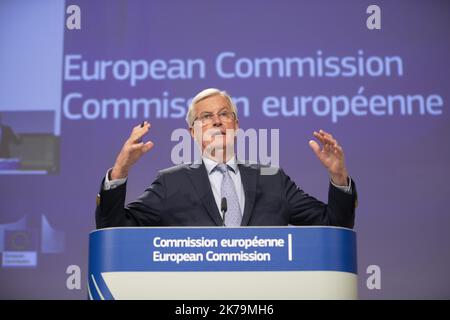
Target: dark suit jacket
x=182, y=196
x=6, y=137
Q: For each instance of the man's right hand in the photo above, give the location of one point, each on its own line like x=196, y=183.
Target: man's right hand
x=131, y=152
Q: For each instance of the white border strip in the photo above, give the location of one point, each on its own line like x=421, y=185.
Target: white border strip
x=290, y=247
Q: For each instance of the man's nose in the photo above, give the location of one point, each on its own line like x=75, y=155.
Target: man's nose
x=217, y=122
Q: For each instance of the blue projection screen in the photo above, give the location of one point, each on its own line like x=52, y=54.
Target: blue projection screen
x=71, y=95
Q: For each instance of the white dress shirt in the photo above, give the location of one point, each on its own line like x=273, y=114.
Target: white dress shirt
x=216, y=177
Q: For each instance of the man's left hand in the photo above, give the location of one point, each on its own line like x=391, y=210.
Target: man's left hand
x=331, y=154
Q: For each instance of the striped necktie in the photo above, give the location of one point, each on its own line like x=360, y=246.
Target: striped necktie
x=233, y=216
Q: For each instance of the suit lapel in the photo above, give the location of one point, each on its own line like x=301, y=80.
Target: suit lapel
x=249, y=178
x=202, y=186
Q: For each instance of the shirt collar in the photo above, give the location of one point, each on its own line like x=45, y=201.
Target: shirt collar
x=211, y=164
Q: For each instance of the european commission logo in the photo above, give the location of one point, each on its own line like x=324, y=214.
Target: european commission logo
x=20, y=245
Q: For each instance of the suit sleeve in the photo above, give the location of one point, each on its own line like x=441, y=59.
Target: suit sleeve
x=307, y=210
x=11, y=135
x=144, y=211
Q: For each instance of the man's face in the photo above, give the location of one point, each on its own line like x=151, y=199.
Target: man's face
x=217, y=124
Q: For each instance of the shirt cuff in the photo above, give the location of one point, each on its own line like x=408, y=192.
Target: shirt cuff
x=346, y=189
x=111, y=184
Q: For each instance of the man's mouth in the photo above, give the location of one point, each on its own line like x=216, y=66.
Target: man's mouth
x=218, y=133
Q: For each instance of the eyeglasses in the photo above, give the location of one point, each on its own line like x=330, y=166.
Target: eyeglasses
x=208, y=117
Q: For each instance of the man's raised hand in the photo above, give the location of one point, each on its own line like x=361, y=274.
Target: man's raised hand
x=331, y=155
x=132, y=151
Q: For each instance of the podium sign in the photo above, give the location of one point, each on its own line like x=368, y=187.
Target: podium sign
x=223, y=263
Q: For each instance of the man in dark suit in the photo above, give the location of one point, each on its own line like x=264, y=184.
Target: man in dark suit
x=192, y=194
x=7, y=136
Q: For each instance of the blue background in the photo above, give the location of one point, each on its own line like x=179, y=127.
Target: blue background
x=399, y=162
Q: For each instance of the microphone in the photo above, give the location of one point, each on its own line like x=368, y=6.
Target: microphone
x=223, y=208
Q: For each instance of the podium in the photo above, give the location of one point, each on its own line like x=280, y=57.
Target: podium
x=220, y=263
